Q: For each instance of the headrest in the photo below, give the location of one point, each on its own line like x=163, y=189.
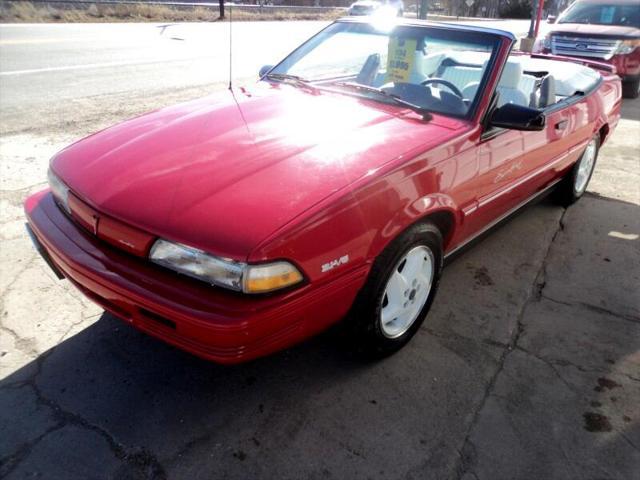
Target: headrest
x=417, y=71
x=511, y=75
x=547, y=92
x=470, y=89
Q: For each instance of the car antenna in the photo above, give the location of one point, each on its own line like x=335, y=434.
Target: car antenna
x=230, y=46
x=231, y=69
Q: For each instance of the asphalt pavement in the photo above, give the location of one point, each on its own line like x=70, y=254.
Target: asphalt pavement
x=528, y=366
x=42, y=67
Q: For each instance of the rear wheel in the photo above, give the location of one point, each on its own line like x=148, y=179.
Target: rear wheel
x=398, y=293
x=631, y=89
x=575, y=183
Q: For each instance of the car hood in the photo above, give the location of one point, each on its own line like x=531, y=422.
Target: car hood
x=615, y=31
x=222, y=176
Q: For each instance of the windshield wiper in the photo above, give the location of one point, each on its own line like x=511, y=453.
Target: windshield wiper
x=426, y=115
x=292, y=79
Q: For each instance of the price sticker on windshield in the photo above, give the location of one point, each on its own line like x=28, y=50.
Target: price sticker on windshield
x=402, y=52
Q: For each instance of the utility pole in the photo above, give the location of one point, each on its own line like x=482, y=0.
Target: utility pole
x=221, y=4
x=422, y=11
x=526, y=43
x=538, y=18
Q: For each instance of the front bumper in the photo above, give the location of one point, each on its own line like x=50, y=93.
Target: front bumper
x=209, y=322
x=627, y=66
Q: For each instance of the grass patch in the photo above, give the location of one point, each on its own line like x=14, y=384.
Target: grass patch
x=27, y=12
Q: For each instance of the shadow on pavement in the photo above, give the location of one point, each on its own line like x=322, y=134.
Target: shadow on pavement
x=630, y=109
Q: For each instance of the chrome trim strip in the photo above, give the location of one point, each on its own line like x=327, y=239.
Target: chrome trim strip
x=502, y=217
x=579, y=146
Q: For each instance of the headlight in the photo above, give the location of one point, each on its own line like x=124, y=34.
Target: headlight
x=60, y=190
x=627, y=46
x=226, y=273
x=546, y=42
x=197, y=264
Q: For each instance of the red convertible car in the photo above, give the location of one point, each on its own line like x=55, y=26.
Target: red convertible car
x=333, y=189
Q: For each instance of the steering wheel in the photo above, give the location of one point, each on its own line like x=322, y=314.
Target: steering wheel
x=444, y=82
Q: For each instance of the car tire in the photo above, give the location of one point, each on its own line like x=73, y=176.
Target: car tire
x=417, y=254
x=575, y=183
x=631, y=89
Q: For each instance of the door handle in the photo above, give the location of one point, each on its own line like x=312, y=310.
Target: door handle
x=561, y=125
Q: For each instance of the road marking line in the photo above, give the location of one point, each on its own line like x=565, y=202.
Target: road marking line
x=89, y=66
x=36, y=41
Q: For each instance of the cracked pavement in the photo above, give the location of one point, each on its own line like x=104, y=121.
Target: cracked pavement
x=527, y=367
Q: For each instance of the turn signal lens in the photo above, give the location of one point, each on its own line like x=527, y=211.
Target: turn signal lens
x=270, y=277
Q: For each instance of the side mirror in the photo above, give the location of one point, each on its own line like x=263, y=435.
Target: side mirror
x=263, y=71
x=551, y=19
x=518, y=117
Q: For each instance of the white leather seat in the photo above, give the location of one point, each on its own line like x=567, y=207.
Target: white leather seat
x=417, y=76
x=469, y=91
x=509, y=83
x=512, y=86
x=547, y=92
x=528, y=84
x=462, y=76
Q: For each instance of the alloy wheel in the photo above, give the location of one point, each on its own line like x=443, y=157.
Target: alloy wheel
x=585, y=168
x=407, y=291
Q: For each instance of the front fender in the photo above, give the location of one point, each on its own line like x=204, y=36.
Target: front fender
x=431, y=205
x=356, y=228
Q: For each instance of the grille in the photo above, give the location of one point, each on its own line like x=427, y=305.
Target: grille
x=584, y=46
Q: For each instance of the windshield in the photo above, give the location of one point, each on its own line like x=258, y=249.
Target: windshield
x=602, y=14
x=432, y=68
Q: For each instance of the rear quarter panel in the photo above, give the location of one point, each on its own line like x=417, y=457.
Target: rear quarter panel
x=598, y=111
x=610, y=93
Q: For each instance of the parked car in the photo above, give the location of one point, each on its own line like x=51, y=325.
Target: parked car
x=364, y=7
x=397, y=6
x=605, y=30
x=331, y=190
x=372, y=7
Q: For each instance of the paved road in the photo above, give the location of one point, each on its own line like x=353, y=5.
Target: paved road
x=527, y=367
x=44, y=66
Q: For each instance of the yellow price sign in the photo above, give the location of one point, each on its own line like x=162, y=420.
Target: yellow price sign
x=400, y=59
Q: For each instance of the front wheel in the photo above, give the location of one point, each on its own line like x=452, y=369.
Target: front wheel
x=573, y=186
x=398, y=293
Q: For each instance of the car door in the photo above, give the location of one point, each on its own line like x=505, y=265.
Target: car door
x=570, y=125
x=499, y=158
x=512, y=166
